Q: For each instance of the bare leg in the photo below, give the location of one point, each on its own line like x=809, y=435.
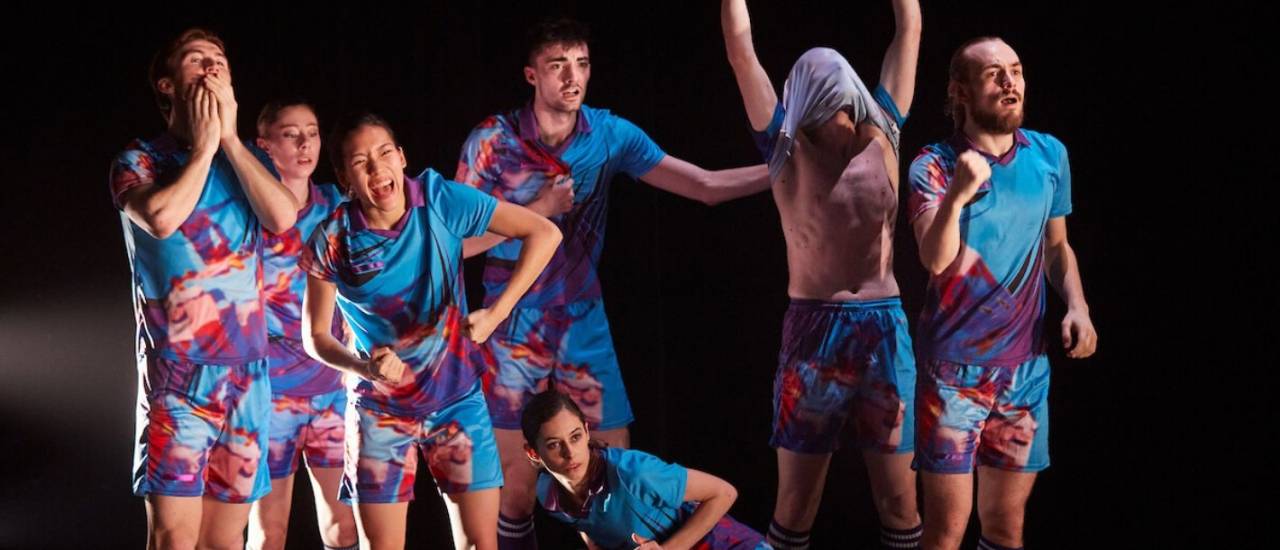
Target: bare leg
x=336, y=521
x=474, y=517
x=948, y=501
x=381, y=526
x=893, y=485
x=1002, y=504
x=222, y=525
x=269, y=517
x=172, y=522
x=801, y=480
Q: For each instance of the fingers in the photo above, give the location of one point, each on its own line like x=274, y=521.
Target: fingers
x=1068, y=341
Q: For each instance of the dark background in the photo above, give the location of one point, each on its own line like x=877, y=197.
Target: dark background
x=1157, y=439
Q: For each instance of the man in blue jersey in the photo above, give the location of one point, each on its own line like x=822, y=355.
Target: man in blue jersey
x=989, y=210
x=558, y=157
x=193, y=204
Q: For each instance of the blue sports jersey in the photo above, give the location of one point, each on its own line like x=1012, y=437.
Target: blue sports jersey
x=638, y=493
x=197, y=293
x=504, y=157
x=292, y=371
x=403, y=288
x=987, y=307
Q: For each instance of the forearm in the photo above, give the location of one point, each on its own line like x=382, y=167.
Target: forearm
x=161, y=210
x=940, y=242
x=328, y=350
x=702, y=520
x=907, y=20
x=535, y=251
x=1064, y=275
x=272, y=203
x=735, y=23
x=732, y=183
x=479, y=245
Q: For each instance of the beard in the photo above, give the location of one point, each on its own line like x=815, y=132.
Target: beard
x=997, y=122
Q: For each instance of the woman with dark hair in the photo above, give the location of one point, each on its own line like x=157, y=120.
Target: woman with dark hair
x=622, y=498
x=390, y=259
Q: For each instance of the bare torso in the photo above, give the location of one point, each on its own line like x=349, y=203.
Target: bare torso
x=838, y=201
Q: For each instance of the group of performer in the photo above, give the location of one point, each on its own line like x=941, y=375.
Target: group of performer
x=245, y=371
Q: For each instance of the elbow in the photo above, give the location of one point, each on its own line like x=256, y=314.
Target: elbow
x=934, y=264
x=158, y=225
x=910, y=27
x=729, y=493
x=706, y=190
x=547, y=232
x=279, y=222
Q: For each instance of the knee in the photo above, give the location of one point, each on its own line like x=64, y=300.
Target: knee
x=268, y=536
x=1001, y=523
x=899, y=510
x=173, y=538
x=944, y=528
x=942, y=533
x=339, y=531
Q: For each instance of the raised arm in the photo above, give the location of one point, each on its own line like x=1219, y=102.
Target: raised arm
x=898, y=71
x=938, y=229
x=757, y=92
x=161, y=210
x=271, y=201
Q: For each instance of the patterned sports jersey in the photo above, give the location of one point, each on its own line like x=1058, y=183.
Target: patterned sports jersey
x=987, y=307
x=636, y=492
x=197, y=293
x=403, y=288
x=285, y=284
x=504, y=157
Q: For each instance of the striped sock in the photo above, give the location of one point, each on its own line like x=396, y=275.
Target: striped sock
x=782, y=538
x=516, y=534
x=901, y=538
x=984, y=544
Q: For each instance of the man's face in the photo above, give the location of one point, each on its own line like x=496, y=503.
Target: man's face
x=373, y=169
x=190, y=65
x=993, y=97
x=559, y=76
x=293, y=142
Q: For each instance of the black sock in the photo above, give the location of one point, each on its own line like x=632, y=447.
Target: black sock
x=782, y=538
x=984, y=544
x=516, y=534
x=901, y=538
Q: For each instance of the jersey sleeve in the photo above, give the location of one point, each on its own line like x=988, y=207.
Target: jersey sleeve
x=478, y=162
x=929, y=176
x=767, y=139
x=321, y=254
x=132, y=168
x=1062, y=185
x=639, y=153
x=465, y=210
x=887, y=105
x=654, y=480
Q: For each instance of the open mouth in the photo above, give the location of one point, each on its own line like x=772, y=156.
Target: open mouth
x=1010, y=100
x=381, y=190
x=571, y=93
